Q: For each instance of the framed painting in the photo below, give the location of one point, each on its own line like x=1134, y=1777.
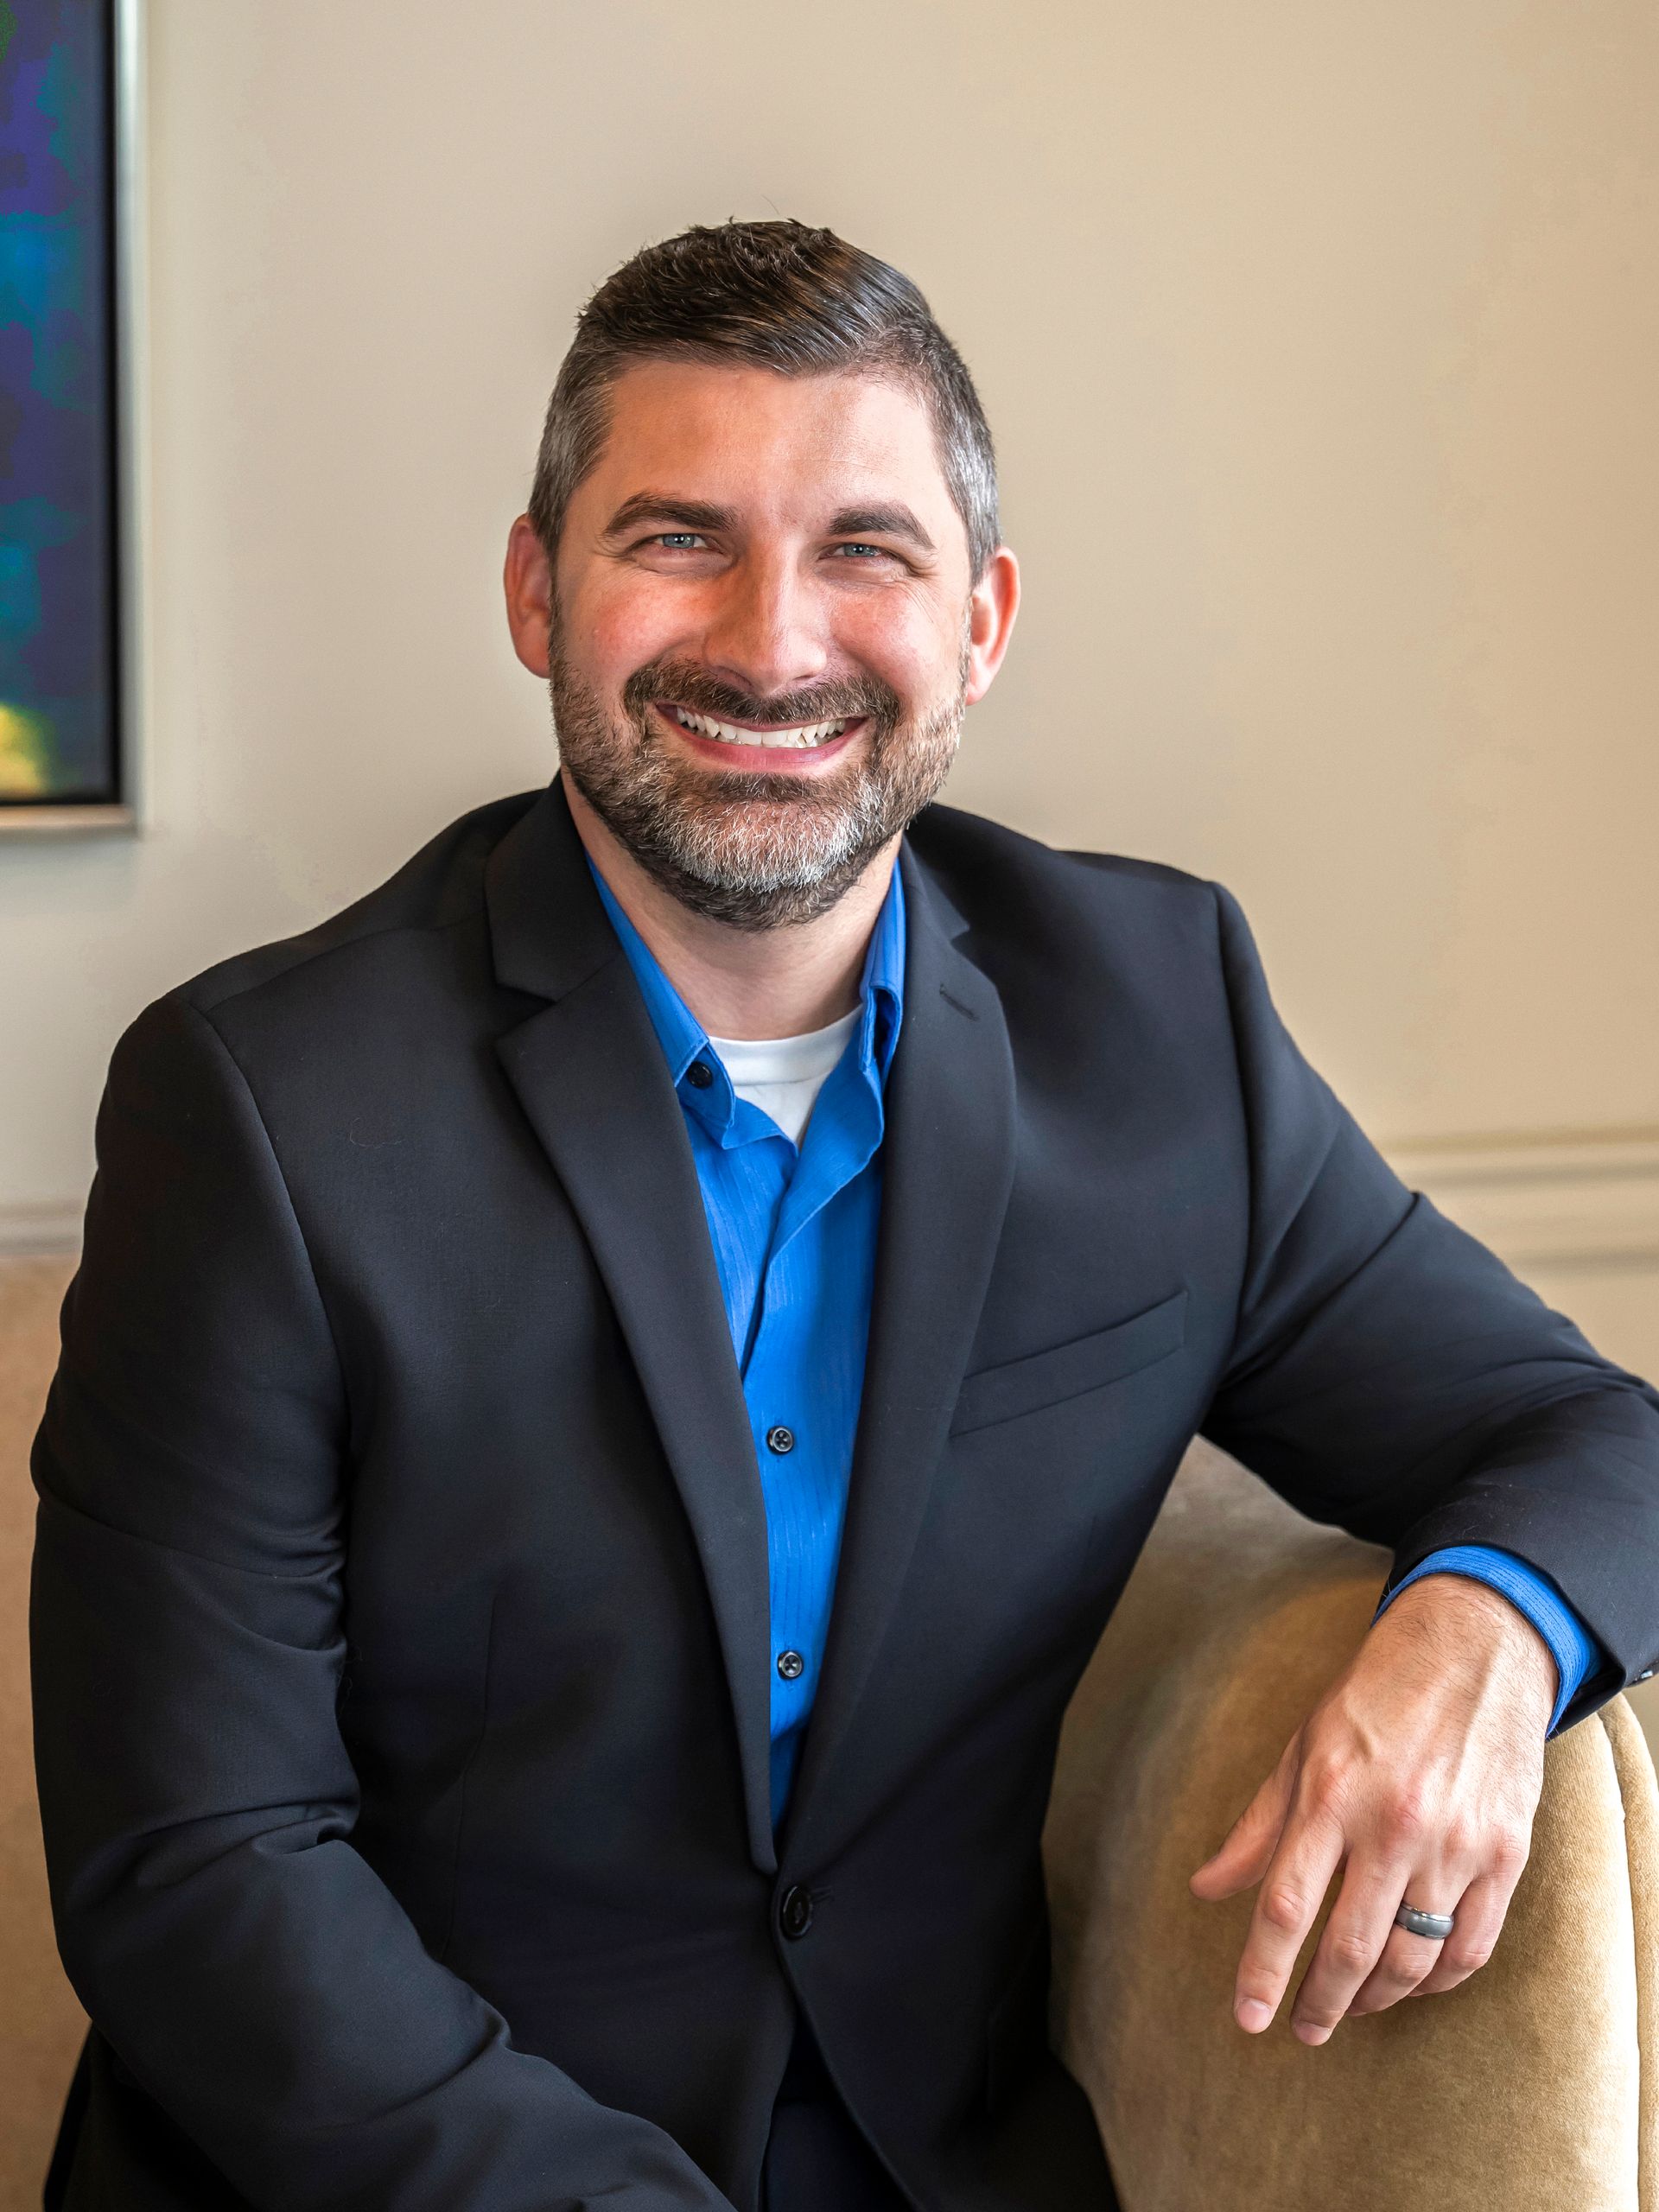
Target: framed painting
x=67, y=77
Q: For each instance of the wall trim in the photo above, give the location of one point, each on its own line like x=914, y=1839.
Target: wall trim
x=1585, y=1199
x=53, y=1227
x=1578, y=1198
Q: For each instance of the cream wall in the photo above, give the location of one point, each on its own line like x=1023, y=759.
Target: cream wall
x=1320, y=341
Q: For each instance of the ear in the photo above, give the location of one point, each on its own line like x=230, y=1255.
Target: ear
x=528, y=581
x=991, y=610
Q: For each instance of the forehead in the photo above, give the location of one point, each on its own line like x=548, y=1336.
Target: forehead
x=752, y=438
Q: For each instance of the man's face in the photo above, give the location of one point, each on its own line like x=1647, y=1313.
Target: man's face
x=761, y=632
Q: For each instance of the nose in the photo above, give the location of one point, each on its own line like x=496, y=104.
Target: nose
x=766, y=632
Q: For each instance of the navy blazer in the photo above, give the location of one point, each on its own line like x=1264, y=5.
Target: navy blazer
x=400, y=1619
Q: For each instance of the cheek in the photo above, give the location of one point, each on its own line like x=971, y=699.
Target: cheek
x=618, y=629
x=902, y=642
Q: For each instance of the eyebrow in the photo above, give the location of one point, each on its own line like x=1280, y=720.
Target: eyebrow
x=886, y=519
x=663, y=506
x=890, y=519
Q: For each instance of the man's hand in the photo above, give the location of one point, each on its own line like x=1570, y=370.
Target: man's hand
x=1418, y=1773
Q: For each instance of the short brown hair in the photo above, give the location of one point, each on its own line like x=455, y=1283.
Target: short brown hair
x=783, y=296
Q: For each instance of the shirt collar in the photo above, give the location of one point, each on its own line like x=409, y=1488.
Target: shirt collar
x=681, y=1035
x=882, y=987
x=685, y=1040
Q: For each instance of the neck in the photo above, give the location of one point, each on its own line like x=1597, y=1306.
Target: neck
x=778, y=982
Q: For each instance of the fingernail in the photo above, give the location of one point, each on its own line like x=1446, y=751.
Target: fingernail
x=1253, y=2014
x=1311, y=2034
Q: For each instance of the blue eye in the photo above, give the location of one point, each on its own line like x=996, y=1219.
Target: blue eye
x=679, y=539
x=856, y=545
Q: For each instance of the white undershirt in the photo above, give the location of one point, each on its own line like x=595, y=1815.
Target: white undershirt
x=783, y=1076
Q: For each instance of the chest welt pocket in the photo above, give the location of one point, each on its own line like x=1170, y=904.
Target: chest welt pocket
x=1046, y=1378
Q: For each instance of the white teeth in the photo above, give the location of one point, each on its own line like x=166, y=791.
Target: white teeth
x=805, y=733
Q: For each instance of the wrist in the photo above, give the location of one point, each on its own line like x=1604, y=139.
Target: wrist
x=1469, y=1620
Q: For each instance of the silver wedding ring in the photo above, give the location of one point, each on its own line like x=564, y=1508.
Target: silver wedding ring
x=1437, y=1924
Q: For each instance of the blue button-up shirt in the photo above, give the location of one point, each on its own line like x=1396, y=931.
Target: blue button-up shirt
x=794, y=1234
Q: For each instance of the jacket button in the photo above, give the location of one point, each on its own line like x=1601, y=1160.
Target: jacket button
x=780, y=1439
x=700, y=1074
x=790, y=1666
x=795, y=1913
x=1646, y=1674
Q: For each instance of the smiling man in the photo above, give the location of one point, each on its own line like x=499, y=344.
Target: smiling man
x=613, y=1386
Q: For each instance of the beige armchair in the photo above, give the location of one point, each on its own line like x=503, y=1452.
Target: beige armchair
x=1531, y=2089
x=41, y=2023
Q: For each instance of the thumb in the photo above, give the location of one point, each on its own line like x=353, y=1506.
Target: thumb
x=1242, y=1859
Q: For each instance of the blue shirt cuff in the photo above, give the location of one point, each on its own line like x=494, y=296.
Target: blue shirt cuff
x=1575, y=1650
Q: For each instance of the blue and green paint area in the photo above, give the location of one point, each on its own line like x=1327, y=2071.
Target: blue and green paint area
x=58, y=685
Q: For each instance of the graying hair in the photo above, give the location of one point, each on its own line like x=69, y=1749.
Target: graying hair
x=779, y=296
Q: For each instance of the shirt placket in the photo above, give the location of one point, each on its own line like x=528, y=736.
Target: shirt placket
x=803, y=1476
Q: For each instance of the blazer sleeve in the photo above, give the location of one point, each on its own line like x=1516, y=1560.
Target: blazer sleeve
x=240, y=1956
x=1388, y=1374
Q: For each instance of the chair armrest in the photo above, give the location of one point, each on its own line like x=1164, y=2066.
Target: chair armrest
x=1520, y=2091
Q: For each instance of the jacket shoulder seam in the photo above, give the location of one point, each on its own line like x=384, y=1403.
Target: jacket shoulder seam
x=206, y=1006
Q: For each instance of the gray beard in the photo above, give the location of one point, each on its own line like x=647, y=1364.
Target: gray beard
x=755, y=851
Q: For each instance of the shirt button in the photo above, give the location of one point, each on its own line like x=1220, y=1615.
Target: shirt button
x=790, y=1666
x=795, y=1913
x=780, y=1439
x=700, y=1074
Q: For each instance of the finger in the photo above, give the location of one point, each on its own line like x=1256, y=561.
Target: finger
x=1356, y=1936
x=1406, y=1960
x=1293, y=1889
x=1480, y=1915
x=1242, y=1859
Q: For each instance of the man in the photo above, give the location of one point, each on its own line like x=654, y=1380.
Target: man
x=613, y=1386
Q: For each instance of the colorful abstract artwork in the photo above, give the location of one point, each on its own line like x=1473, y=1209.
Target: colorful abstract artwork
x=59, y=739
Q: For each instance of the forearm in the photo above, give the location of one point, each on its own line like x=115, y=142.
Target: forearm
x=1571, y=1491
x=1391, y=1374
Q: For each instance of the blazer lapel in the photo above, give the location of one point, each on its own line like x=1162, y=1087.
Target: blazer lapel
x=947, y=1169
x=590, y=1073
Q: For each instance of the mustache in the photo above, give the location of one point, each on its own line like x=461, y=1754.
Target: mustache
x=687, y=685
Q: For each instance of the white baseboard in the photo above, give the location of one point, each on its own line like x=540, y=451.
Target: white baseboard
x=1582, y=1199
x=53, y=1227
